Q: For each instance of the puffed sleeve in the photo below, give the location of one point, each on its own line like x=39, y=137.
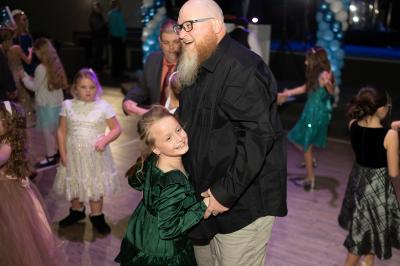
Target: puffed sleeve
x=178, y=210
x=64, y=106
x=108, y=110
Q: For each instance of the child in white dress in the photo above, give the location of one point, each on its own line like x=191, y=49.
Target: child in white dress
x=87, y=171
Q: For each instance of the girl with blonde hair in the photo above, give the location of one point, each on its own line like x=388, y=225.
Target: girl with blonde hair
x=87, y=171
x=169, y=207
x=48, y=84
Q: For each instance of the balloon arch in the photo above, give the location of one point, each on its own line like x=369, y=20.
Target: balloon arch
x=153, y=15
x=332, y=19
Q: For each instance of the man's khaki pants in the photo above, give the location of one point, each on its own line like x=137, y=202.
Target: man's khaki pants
x=245, y=247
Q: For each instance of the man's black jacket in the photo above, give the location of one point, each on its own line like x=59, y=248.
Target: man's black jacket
x=236, y=141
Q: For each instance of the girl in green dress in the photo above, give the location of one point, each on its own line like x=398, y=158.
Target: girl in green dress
x=156, y=233
x=312, y=127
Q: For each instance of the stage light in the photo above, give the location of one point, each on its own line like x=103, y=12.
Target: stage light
x=353, y=8
x=254, y=20
x=356, y=19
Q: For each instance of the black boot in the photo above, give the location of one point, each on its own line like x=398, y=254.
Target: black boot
x=100, y=224
x=73, y=217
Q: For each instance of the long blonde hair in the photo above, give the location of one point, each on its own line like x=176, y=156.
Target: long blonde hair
x=56, y=77
x=155, y=113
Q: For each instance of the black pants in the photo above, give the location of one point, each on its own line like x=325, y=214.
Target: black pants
x=97, y=60
x=118, y=56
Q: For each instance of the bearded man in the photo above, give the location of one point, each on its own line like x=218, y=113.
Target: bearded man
x=237, y=153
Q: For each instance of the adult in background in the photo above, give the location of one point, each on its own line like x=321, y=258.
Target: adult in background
x=159, y=65
x=8, y=90
x=237, y=154
x=241, y=32
x=98, y=27
x=117, y=28
x=24, y=39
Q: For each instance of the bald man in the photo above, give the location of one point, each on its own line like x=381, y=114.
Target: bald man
x=237, y=146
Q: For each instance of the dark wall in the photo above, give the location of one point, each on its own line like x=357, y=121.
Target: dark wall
x=58, y=19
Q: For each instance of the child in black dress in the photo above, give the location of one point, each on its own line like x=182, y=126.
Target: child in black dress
x=370, y=210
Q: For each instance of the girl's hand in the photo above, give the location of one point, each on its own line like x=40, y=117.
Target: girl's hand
x=206, y=201
x=282, y=97
x=100, y=144
x=63, y=159
x=395, y=125
x=325, y=78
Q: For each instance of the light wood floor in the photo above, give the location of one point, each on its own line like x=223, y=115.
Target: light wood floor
x=308, y=236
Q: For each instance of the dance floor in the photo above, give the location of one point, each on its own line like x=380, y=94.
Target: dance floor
x=308, y=236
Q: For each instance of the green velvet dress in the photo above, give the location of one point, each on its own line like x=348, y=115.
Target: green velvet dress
x=156, y=233
x=312, y=127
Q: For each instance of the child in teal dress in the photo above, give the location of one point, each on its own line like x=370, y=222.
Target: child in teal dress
x=156, y=233
x=312, y=127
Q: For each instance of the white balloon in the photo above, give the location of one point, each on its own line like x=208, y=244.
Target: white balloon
x=157, y=16
x=151, y=24
x=342, y=16
x=336, y=6
x=147, y=3
x=345, y=26
x=145, y=33
x=162, y=10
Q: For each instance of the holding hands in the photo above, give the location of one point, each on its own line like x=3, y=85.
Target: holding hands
x=283, y=96
x=213, y=207
x=395, y=125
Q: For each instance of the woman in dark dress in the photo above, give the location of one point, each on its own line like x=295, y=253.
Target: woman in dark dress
x=156, y=233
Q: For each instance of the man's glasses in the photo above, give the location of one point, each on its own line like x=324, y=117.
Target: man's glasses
x=188, y=25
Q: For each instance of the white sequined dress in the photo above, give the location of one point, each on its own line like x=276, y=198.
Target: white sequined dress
x=89, y=174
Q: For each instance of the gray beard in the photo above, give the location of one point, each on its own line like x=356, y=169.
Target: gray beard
x=188, y=68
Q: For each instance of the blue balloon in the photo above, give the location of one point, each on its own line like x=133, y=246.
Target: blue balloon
x=328, y=16
x=339, y=35
x=338, y=81
x=319, y=34
x=334, y=45
x=319, y=17
x=324, y=6
x=340, y=54
x=336, y=26
x=151, y=41
x=323, y=25
x=327, y=35
x=321, y=43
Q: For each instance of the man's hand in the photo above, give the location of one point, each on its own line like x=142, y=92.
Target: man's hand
x=129, y=107
x=214, y=207
x=132, y=108
x=395, y=125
